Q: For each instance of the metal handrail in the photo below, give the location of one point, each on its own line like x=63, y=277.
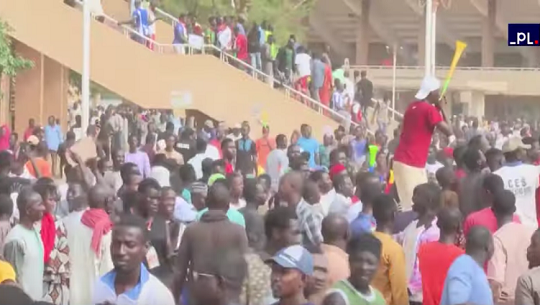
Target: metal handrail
x=365, y=67
x=225, y=57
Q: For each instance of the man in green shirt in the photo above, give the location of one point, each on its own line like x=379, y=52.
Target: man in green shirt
x=364, y=255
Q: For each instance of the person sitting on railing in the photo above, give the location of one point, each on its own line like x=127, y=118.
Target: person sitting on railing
x=180, y=34
x=139, y=21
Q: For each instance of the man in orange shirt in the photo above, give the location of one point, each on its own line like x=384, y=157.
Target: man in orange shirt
x=436, y=257
x=38, y=166
x=264, y=146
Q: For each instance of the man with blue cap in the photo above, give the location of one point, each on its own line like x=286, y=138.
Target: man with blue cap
x=291, y=268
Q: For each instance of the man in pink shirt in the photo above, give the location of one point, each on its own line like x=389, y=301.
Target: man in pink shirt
x=486, y=217
x=511, y=240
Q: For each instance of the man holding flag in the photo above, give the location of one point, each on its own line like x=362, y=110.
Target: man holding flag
x=419, y=122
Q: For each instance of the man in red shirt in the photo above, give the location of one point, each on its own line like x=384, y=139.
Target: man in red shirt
x=435, y=258
x=240, y=46
x=419, y=122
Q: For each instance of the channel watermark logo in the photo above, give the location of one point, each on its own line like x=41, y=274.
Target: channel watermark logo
x=524, y=34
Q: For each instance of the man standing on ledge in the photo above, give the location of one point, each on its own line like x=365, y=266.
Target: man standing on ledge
x=419, y=122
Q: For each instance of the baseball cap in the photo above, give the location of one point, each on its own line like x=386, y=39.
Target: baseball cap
x=32, y=140
x=429, y=84
x=295, y=257
x=514, y=143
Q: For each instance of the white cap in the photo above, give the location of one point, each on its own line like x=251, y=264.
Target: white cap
x=429, y=84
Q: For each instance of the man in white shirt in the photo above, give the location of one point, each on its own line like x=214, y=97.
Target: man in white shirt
x=23, y=247
x=202, y=153
x=89, y=263
x=277, y=161
x=303, y=67
x=520, y=178
x=130, y=283
x=224, y=35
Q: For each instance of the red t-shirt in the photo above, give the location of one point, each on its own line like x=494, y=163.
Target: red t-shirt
x=229, y=169
x=484, y=217
x=241, y=47
x=419, y=123
x=434, y=259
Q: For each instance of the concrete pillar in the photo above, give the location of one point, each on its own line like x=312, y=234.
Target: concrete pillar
x=475, y=103
x=362, y=35
x=41, y=91
x=488, y=31
x=421, y=41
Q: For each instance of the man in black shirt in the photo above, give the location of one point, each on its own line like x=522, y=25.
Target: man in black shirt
x=246, y=152
x=365, y=88
x=186, y=144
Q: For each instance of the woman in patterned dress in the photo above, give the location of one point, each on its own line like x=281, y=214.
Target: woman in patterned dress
x=55, y=246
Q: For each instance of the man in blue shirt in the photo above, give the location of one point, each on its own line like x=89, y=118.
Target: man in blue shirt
x=139, y=21
x=180, y=34
x=308, y=144
x=466, y=281
x=53, y=138
x=358, y=146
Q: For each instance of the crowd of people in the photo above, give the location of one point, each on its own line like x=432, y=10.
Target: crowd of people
x=308, y=71
x=159, y=210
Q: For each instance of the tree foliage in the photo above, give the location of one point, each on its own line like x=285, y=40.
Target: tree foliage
x=10, y=62
x=286, y=16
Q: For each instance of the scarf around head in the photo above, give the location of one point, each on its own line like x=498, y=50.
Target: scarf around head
x=48, y=234
x=98, y=220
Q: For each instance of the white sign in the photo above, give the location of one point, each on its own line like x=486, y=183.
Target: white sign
x=196, y=41
x=181, y=99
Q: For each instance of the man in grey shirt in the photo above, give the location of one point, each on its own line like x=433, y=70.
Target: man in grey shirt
x=277, y=161
x=317, y=76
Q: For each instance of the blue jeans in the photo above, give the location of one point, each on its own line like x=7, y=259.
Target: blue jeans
x=256, y=60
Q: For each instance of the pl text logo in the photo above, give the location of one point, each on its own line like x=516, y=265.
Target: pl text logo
x=523, y=34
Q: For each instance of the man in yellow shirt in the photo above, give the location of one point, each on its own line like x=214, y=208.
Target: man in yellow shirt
x=391, y=279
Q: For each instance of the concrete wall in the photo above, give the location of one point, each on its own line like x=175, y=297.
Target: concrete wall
x=41, y=91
